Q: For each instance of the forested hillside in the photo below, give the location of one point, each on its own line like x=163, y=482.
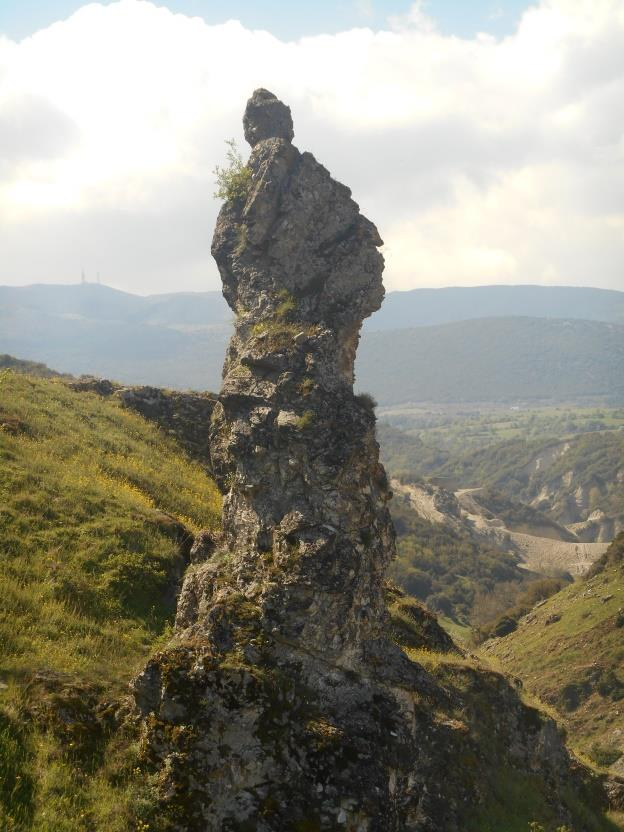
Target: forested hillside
x=569, y=479
x=576, y=481
x=451, y=570
x=494, y=360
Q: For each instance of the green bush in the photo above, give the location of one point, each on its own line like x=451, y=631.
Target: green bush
x=367, y=401
x=604, y=757
x=305, y=421
x=233, y=181
x=508, y=620
x=286, y=306
x=610, y=685
x=504, y=625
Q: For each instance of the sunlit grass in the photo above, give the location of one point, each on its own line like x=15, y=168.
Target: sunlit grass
x=573, y=663
x=94, y=502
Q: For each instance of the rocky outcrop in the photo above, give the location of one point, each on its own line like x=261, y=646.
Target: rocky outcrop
x=286, y=701
x=184, y=416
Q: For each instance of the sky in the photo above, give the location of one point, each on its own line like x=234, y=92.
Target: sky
x=484, y=139
x=291, y=20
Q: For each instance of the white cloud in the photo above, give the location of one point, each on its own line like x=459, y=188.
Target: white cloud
x=480, y=160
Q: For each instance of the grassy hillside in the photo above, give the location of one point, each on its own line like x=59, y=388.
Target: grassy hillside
x=97, y=506
x=495, y=360
x=569, y=651
x=34, y=368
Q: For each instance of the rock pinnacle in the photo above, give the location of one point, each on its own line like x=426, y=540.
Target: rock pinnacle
x=266, y=117
x=282, y=703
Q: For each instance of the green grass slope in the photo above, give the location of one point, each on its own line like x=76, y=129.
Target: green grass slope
x=569, y=651
x=96, y=506
x=33, y=368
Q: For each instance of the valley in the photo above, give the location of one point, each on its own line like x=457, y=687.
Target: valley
x=576, y=481
x=540, y=549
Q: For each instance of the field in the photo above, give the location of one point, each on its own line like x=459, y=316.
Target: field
x=459, y=429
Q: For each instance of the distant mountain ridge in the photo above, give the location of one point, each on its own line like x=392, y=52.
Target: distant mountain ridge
x=93, y=301
x=427, y=307
x=400, y=309
x=179, y=340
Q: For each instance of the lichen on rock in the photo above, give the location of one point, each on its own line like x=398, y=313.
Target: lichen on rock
x=286, y=700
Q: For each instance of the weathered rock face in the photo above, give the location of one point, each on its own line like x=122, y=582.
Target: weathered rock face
x=305, y=513
x=282, y=704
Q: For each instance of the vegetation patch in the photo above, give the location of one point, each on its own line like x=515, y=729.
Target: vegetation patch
x=575, y=663
x=307, y=386
x=305, y=421
x=507, y=622
x=412, y=625
x=286, y=306
x=450, y=571
x=279, y=332
x=486, y=447
x=234, y=180
x=96, y=505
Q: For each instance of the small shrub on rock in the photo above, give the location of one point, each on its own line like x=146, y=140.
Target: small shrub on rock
x=233, y=181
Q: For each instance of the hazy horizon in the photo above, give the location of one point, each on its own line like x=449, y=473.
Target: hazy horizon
x=217, y=289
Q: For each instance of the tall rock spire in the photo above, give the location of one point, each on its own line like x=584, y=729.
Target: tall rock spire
x=305, y=516
x=282, y=704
